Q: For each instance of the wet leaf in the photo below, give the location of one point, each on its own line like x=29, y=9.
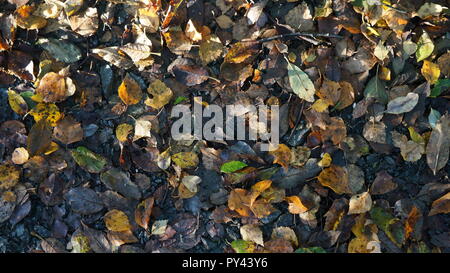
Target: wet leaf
x=143, y=212
x=68, y=131
x=241, y=246
x=61, y=50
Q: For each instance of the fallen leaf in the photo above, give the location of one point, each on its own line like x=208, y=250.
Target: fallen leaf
x=20, y=156
x=336, y=178
x=300, y=83
x=84, y=200
x=252, y=233
x=402, y=105
x=68, y=131
x=129, y=91
x=9, y=176
x=430, y=71
x=116, y=220
x=441, y=205
x=88, y=160
x=296, y=206
x=186, y=160
x=438, y=146
x=425, y=47
x=232, y=166
x=161, y=95
x=360, y=203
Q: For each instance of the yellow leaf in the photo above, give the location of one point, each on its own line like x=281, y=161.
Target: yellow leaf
x=242, y=52
x=336, y=178
x=239, y=201
x=9, y=176
x=296, y=205
x=385, y=74
x=17, y=103
x=326, y=160
x=320, y=105
x=129, y=91
x=27, y=20
x=47, y=111
x=117, y=220
x=258, y=188
x=282, y=155
x=186, y=160
x=123, y=131
x=161, y=95
x=430, y=71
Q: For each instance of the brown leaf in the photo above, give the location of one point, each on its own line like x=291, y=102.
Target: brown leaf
x=39, y=138
x=68, y=131
x=441, y=205
x=143, y=212
x=190, y=75
x=336, y=178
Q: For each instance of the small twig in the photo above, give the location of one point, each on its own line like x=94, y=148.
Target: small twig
x=295, y=34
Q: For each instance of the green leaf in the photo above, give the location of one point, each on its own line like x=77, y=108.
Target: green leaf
x=300, y=83
x=88, y=160
x=179, y=100
x=425, y=47
x=416, y=137
x=316, y=249
x=390, y=225
x=232, y=166
x=433, y=117
x=376, y=89
x=439, y=87
x=241, y=246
